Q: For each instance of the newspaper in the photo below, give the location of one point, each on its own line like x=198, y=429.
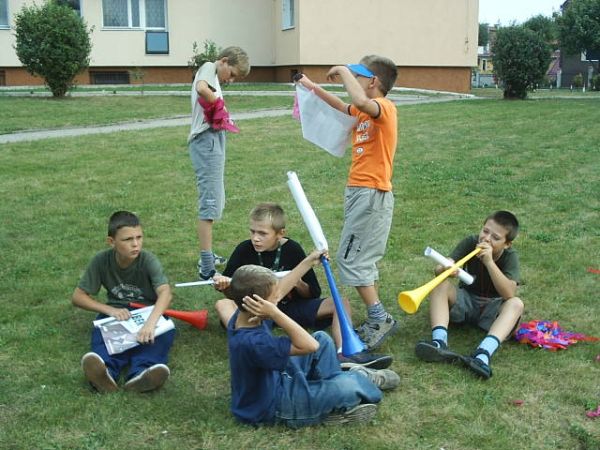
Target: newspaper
x=120, y=335
x=323, y=125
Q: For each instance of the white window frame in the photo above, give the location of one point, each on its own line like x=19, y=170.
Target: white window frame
x=142, y=18
x=288, y=14
x=6, y=26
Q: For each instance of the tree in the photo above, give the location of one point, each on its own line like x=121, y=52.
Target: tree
x=579, y=26
x=521, y=58
x=210, y=54
x=545, y=27
x=484, y=35
x=52, y=41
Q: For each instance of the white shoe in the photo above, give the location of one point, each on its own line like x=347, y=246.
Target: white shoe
x=365, y=412
x=150, y=379
x=384, y=379
x=97, y=374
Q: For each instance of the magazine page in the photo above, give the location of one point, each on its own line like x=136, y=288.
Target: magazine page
x=120, y=335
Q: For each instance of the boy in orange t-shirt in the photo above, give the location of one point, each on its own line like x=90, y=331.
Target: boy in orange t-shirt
x=368, y=200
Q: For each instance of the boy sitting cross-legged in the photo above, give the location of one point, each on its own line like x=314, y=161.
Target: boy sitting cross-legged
x=129, y=274
x=296, y=379
x=269, y=247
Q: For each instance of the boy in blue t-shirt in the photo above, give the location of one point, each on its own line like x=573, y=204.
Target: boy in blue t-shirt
x=269, y=247
x=296, y=379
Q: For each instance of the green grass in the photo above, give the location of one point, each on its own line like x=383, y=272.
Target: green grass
x=22, y=113
x=456, y=162
x=492, y=92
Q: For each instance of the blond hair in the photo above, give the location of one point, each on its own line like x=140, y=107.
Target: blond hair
x=237, y=58
x=269, y=212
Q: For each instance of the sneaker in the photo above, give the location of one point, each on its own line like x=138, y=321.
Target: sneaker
x=148, y=380
x=374, y=333
x=384, y=379
x=365, y=359
x=477, y=366
x=219, y=260
x=360, y=413
x=97, y=374
x=436, y=351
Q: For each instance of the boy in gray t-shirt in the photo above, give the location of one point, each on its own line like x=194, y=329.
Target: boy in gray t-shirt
x=206, y=143
x=128, y=274
x=489, y=303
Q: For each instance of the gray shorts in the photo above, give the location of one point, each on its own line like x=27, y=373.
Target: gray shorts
x=367, y=222
x=475, y=310
x=207, y=151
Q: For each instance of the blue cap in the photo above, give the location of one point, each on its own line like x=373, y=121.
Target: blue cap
x=361, y=69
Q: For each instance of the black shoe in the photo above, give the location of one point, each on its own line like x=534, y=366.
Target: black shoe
x=365, y=359
x=477, y=366
x=437, y=351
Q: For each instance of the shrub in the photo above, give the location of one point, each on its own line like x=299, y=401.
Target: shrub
x=578, y=81
x=596, y=82
x=52, y=41
x=521, y=58
x=210, y=53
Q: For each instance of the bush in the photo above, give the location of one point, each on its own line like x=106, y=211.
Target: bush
x=521, y=58
x=210, y=53
x=52, y=41
x=596, y=82
x=578, y=81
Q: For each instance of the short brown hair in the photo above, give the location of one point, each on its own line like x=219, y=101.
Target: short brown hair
x=269, y=212
x=507, y=220
x=384, y=69
x=237, y=58
x=121, y=219
x=249, y=280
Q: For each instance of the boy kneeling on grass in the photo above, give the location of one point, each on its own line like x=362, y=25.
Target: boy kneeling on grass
x=129, y=274
x=296, y=379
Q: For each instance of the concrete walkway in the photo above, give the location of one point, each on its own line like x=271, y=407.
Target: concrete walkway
x=177, y=121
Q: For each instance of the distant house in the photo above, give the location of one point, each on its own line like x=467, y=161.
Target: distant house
x=434, y=42
x=572, y=65
x=483, y=76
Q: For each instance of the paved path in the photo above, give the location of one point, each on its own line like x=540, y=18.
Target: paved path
x=34, y=135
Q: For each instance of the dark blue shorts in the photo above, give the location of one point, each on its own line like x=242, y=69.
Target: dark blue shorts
x=304, y=312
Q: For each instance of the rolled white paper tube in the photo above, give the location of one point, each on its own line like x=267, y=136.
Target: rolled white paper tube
x=308, y=215
x=465, y=277
x=281, y=274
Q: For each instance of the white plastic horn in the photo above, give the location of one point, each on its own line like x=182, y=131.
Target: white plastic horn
x=465, y=277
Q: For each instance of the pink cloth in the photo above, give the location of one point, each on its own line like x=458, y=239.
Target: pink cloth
x=217, y=116
x=296, y=110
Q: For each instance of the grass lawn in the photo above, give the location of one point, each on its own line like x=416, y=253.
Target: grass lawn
x=22, y=113
x=456, y=163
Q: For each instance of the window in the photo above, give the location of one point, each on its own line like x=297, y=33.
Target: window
x=109, y=77
x=157, y=43
x=73, y=4
x=590, y=55
x=287, y=14
x=146, y=14
x=3, y=13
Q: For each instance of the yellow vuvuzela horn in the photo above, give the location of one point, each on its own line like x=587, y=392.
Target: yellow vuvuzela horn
x=409, y=301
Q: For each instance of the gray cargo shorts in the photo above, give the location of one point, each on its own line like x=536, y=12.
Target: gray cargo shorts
x=367, y=222
x=207, y=151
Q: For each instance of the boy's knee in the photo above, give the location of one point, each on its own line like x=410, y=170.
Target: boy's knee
x=219, y=304
x=516, y=305
x=323, y=338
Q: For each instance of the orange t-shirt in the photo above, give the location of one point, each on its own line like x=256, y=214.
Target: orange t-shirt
x=374, y=143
